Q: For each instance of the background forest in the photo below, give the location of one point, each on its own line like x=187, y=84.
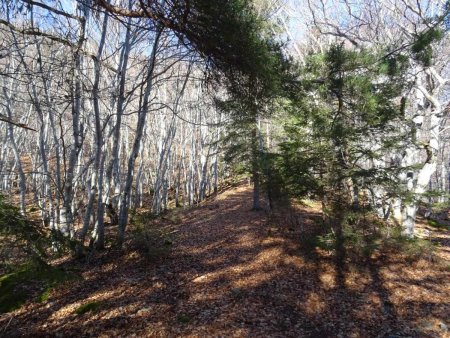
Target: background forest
x=121, y=118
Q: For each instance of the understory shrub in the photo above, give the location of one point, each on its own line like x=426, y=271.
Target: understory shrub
x=24, y=272
x=151, y=236
x=363, y=234
x=21, y=240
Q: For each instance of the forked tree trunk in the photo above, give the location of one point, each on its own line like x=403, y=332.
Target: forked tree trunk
x=143, y=111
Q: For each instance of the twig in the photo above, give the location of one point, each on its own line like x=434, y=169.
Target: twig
x=4, y=330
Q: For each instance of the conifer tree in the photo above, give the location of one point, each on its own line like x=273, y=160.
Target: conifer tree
x=241, y=56
x=340, y=127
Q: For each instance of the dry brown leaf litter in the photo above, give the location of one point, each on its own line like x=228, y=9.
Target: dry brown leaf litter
x=232, y=274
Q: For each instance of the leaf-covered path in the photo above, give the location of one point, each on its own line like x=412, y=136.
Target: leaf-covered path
x=232, y=273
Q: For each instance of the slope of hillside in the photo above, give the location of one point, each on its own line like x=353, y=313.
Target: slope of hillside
x=238, y=273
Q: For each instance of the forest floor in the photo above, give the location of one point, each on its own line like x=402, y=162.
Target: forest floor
x=233, y=272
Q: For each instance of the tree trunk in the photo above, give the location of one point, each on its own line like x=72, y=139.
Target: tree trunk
x=125, y=196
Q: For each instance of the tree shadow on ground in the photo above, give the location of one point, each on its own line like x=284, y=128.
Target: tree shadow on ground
x=235, y=272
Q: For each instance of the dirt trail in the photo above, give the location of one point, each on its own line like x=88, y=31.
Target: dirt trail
x=231, y=274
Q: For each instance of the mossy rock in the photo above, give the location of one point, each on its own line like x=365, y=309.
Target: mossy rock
x=88, y=307
x=184, y=318
x=11, y=296
x=31, y=281
x=435, y=224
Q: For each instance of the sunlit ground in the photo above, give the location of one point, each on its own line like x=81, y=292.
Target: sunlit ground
x=232, y=272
